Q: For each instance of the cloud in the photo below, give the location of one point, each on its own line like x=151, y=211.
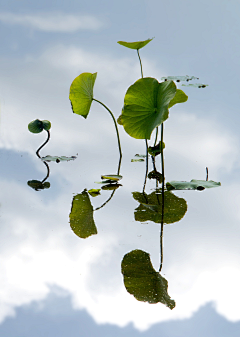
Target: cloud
x=53, y=22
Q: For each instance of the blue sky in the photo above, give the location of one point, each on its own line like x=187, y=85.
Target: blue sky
x=44, y=46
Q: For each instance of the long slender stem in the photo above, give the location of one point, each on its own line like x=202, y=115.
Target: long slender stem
x=48, y=172
x=119, y=145
x=162, y=220
x=140, y=63
x=37, y=152
x=144, y=185
x=155, y=143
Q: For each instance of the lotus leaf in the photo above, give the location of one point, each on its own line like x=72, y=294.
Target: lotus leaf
x=135, y=45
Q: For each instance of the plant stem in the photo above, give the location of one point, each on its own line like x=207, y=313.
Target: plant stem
x=119, y=145
x=155, y=143
x=48, y=172
x=37, y=152
x=144, y=185
x=162, y=220
x=140, y=63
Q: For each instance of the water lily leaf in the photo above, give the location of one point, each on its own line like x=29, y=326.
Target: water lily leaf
x=135, y=45
x=38, y=185
x=156, y=150
x=81, y=93
x=105, y=182
x=146, y=106
x=114, y=177
x=179, y=78
x=155, y=175
x=81, y=216
x=192, y=185
x=140, y=155
x=195, y=85
x=150, y=208
x=57, y=159
x=110, y=187
x=142, y=281
x=38, y=126
x=94, y=192
x=136, y=160
x=180, y=97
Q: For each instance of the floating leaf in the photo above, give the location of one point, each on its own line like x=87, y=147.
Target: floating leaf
x=114, y=177
x=135, y=45
x=180, y=97
x=94, y=192
x=195, y=85
x=38, y=185
x=140, y=155
x=38, y=126
x=81, y=216
x=179, y=78
x=192, y=185
x=155, y=175
x=142, y=281
x=81, y=93
x=146, y=106
x=57, y=159
x=110, y=187
x=105, y=182
x=136, y=160
x=156, y=150
x=150, y=207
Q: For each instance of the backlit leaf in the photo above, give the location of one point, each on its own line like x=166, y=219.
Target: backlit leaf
x=180, y=97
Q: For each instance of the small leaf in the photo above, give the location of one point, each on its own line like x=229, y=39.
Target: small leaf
x=137, y=160
x=46, y=125
x=155, y=175
x=195, y=85
x=142, y=281
x=35, y=126
x=156, y=150
x=180, y=97
x=105, y=182
x=119, y=120
x=150, y=207
x=94, y=192
x=146, y=106
x=81, y=216
x=81, y=93
x=179, y=78
x=113, y=177
x=110, y=187
x=38, y=185
x=57, y=159
x=192, y=185
x=135, y=45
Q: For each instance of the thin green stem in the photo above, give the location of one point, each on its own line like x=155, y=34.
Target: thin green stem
x=162, y=220
x=144, y=185
x=140, y=63
x=115, y=123
x=155, y=143
x=37, y=152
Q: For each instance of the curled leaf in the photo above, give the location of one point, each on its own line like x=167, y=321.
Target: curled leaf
x=135, y=45
x=157, y=149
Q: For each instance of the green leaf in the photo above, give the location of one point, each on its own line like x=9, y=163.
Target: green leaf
x=105, y=182
x=142, y=281
x=135, y=45
x=113, y=177
x=155, y=175
x=81, y=216
x=136, y=160
x=156, y=150
x=180, y=97
x=57, y=159
x=192, y=185
x=146, y=106
x=38, y=185
x=150, y=208
x=119, y=120
x=81, y=93
x=110, y=187
x=35, y=126
x=94, y=192
x=46, y=125
x=195, y=85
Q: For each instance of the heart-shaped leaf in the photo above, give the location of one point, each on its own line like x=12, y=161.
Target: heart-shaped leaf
x=150, y=208
x=81, y=216
x=180, y=97
x=135, y=45
x=192, y=185
x=38, y=126
x=146, y=106
x=142, y=281
x=81, y=93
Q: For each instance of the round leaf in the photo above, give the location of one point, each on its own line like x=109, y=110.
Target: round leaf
x=46, y=125
x=146, y=106
x=135, y=45
x=35, y=126
x=142, y=281
x=81, y=93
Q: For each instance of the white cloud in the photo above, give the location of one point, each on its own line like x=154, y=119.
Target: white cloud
x=53, y=22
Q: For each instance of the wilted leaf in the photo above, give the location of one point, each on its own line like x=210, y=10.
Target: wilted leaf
x=146, y=106
x=38, y=185
x=81, y=216
x=142, y=281
x=155, y=175
x=57, y=159
x=81, y=93
x=135, y=45
x=150, y=208
x=94, y=192
x=192, y=185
